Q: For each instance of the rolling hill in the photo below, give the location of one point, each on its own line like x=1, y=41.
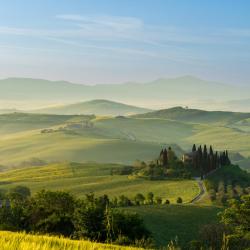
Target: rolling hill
x=196, y=115
x=83, y=178
x=112, y=139
x=97, y=107
x=187, y=90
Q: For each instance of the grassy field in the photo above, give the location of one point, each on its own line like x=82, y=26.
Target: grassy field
x=167, y=222
x=80, y=179
x=22, y=241
x=117, y=140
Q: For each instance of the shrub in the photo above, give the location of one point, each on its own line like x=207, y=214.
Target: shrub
x=167, y=201
x=211, y=235
x=195, y=245
x=139, y=199
x=212, y=194
x=237, y=242
x=150, y=198
x=158, y=200
x=179, y=200
x=22, y=190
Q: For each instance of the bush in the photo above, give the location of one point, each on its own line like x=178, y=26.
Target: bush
x=211, y=235
x=194, y=245
x=179, y=200
x=139, y=199
x=59, y=213
x=237, y=242
x=158, y=200
x=129, y=225
x=52, y=212
x=150, y=198
x=22, y=190
x=167, y=201
x=212, y=194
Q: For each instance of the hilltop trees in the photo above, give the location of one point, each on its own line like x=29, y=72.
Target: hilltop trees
x=207, y=160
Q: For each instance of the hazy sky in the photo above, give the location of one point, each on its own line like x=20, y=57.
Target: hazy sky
x=109, y=41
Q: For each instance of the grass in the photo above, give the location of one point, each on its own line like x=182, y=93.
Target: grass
x=119, y=140
x=167, y=222
x=22, y=241
x=80, y=179
x=230, y=175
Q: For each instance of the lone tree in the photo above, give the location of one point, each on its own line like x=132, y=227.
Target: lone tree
x=150, y=198
x=179, y=200
x=139, y=198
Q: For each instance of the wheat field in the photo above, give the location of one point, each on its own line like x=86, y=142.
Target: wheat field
x=23, y=241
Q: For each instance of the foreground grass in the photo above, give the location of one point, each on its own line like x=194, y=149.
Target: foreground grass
x=22, y=241
x=80, y=178
x=166, y=222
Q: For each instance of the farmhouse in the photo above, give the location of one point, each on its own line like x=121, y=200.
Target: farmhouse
x=188, y=157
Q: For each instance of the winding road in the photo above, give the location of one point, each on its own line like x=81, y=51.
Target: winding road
x=202, y=191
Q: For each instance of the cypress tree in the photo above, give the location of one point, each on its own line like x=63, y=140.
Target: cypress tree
x=199, y=158
x=216, y=163
x=211, y=150
x=165, y=158
x=161, y=157
x=194, y=156
x=205, y=159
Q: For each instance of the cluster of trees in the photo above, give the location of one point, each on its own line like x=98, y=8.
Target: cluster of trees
x=227, y=183
x=200, y=161
x=167, y=157
x=60, y=213
x=167, y=165
x=207, y=160
x=233, y=230
x=140, y=199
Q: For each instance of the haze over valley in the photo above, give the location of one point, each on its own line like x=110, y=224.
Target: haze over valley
x=124, y=125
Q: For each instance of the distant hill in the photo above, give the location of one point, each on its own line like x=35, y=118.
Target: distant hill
x=8, y=111
x=178, y=91
x=196, y=115
x=97, y=107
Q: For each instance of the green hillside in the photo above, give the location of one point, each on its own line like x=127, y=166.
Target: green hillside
x=167, y=222
x=97, y=107
x=196, y=115
x=80, y=179
x=18, y=122
x=118, y=140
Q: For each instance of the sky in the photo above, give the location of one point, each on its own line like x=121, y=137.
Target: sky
x=112, y=41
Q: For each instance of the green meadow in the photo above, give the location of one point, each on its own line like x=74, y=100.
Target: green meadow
x=80, y=179
x=81, y=153
x=181, y=222
x=109, y=139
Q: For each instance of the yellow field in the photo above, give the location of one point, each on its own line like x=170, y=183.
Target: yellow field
x=22, y=241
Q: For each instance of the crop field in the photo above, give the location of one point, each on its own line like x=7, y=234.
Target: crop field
x=22, y=241
x=80, y=179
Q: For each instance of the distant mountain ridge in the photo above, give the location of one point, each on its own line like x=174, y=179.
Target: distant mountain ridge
x=180, y=91
x=97, y=107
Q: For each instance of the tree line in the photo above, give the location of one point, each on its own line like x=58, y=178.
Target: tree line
x=60, y=213
x=207, y=160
